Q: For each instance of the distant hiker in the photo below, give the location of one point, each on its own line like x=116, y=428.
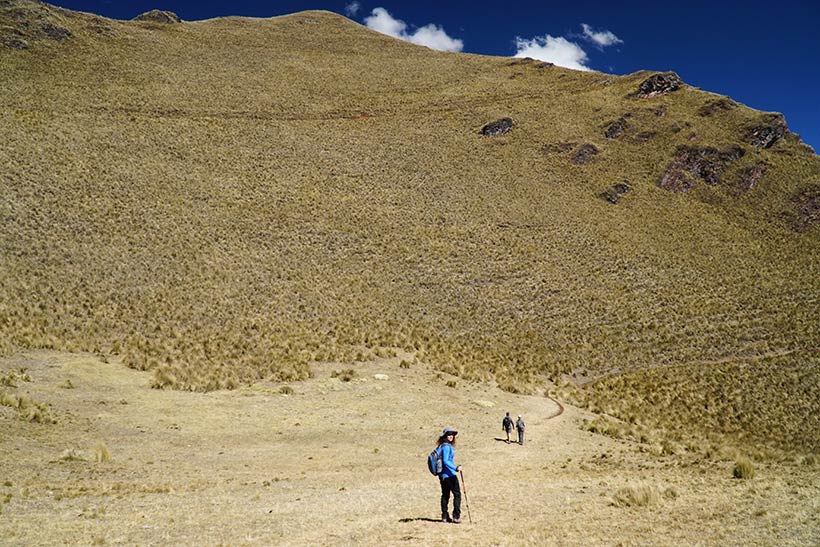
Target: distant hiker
x=449, y=476
x=519, y=425
x=507, y=426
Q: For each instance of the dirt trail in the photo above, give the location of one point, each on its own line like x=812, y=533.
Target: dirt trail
x=343, y=463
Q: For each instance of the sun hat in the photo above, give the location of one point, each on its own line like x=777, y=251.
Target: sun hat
x=448, y=431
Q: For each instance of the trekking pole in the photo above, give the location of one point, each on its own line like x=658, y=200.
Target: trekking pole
x=467, y=503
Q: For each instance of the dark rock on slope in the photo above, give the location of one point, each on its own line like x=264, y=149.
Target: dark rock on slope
x=712, y=107
x=659, y=84
x=498, y=127
x=584, y=154
x=750, y=177
x=613, y=194
x=24, y=22
x=614, y=130
x=159, y=16
x=691, y=163
x=806, y=208
x=769, y=132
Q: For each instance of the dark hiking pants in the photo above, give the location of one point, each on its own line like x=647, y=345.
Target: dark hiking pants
x=450, y=484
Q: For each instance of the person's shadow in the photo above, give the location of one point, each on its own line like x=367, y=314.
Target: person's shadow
x=415, y=519
x=503, y=440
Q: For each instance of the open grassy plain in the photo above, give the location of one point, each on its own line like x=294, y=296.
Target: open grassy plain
x=340, y=462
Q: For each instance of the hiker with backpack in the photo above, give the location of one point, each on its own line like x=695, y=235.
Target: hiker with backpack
x=507, y=426
x=442, y=463
x=519, y=425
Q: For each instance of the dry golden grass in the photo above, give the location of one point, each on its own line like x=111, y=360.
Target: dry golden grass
x=769, y=406
x=101, y=453
x=637, y=496
x=743, y=469
x=343, y=463
x=232, y=201
x=12, y=397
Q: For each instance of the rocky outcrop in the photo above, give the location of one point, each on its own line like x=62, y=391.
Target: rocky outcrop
x=806, y=208
x=712, y=107
x=24, y=22
x=158, y=16
x=529, y=61
x=498, y=127
x=12, y=39
x=645, y=136
x=614, y=129
x=691, y=163
x=55, y=32
x=659, y=84
x=750, y=177
x=613, y=194
x=585, y=154
x=768, y=133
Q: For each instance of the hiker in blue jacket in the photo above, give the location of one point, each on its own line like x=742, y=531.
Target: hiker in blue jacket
x=449, y=476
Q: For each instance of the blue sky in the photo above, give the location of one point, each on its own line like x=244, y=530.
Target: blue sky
x=763, y=54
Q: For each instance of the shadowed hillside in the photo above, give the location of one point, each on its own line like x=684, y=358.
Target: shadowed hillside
x=235, y=199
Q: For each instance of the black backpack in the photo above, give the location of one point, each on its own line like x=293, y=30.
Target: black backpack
x=435, y=463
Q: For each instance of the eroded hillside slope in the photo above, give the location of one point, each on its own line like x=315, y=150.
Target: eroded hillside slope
x=233, y=199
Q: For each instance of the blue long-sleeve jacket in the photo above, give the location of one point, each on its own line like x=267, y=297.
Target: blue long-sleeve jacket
x=447, y=458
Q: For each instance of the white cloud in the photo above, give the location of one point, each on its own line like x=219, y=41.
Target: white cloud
x=557, y=50
x=434, y=37
x=601, y=38
x=381, y=21
x=430, y=35
x=352, y=9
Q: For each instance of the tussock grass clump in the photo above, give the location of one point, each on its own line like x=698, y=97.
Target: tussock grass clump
x=39, y=414
x=604, y=426
x=13, y=377
x=27, y=409
x=641, y=495
x=743, y=469
x=8, y=399
x=101, y=453
x=345, y=375
x=765, y=406
x=617, y=429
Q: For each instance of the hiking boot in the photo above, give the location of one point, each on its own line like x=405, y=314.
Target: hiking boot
x=445, y=518
x=456, y=521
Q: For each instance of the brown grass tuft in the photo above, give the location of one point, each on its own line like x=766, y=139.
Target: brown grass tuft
x=743, y=469
x=640, y=495
x=101, y=453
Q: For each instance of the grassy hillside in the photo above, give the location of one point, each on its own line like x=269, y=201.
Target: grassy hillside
x=235, y=199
